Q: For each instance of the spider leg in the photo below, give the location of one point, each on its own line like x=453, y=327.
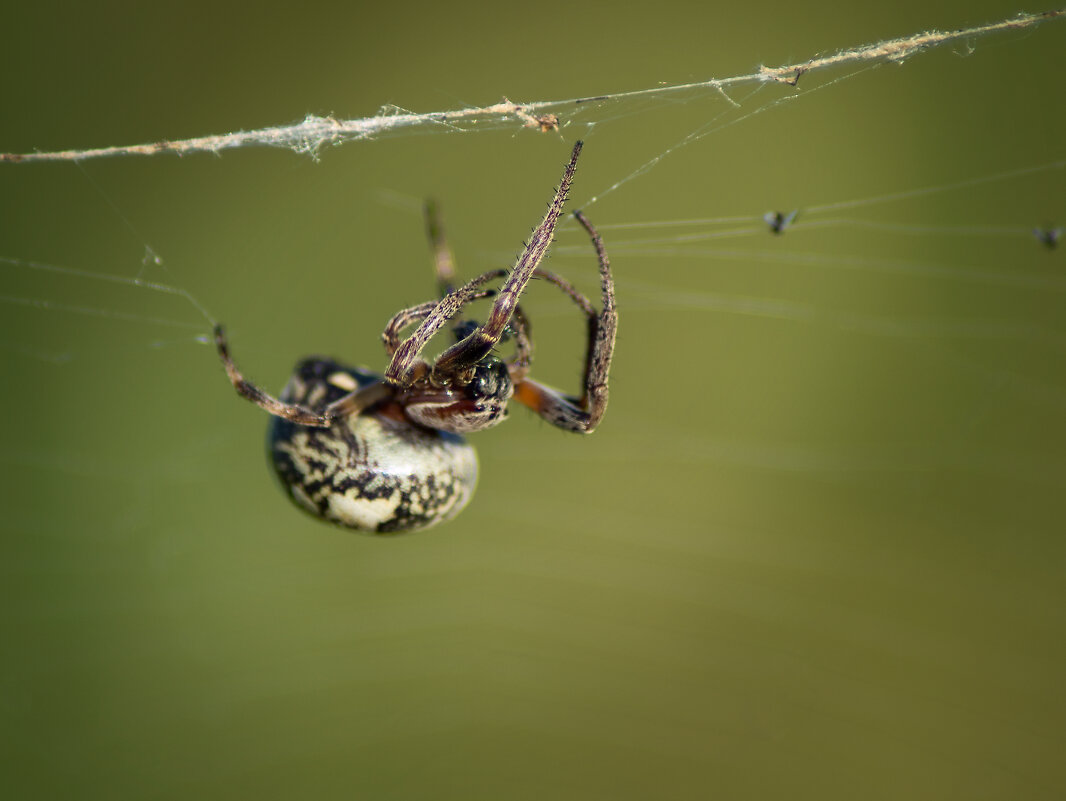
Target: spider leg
x=519, y=365
x=434, y=316
x=246, y=389
x=444, y=267
x=443, y=260
x=581, y=414
x=391, y=335
x=483, y=339
x=354, y=402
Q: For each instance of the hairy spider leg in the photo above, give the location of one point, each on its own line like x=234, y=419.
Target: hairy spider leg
x=443, y=259
x=519, y=365
x=246, y=389
x=391, y=335
x=405, y=367
x=580, y=414
x=405, y=317
x=483, y=339
x=444, y=268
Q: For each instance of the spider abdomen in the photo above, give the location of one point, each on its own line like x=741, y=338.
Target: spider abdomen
x=374, y=471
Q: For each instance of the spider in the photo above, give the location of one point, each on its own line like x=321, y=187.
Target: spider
x=387, y=453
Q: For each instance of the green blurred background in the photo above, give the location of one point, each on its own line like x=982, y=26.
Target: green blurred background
x=815, y=550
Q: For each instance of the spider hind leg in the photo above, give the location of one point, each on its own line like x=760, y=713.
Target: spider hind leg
x=581, y=414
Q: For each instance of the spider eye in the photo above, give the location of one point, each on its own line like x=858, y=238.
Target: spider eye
x=491, y=381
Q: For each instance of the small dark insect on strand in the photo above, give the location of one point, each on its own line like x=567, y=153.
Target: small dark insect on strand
x=1048, y=237
x=779, y=221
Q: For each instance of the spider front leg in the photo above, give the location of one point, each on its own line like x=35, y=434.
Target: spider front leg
x=444, y=268
x=246, y=389
x=405, y=366
x=352, y=403
x=581, y=414
x=483, y=339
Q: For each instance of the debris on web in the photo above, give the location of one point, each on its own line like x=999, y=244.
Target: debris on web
x=314, y=133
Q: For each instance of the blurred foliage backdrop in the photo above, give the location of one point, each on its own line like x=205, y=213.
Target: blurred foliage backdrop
x=815, y=550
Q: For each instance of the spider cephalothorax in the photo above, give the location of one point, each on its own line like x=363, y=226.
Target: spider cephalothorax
x=473, y=400
x=384, y=453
